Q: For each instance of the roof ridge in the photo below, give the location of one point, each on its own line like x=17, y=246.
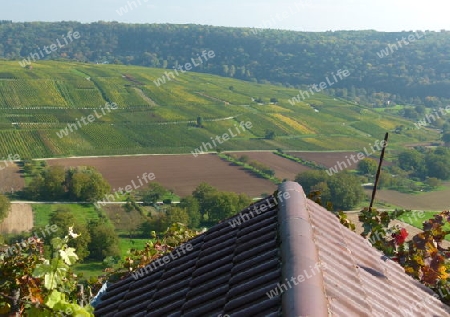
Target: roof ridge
x=299, y=255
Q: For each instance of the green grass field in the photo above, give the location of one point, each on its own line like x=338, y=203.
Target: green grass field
x=95, y=268
x=35, y=105
x=42, y=212
x=416, y=219
x=89, y=269
x=126, y=244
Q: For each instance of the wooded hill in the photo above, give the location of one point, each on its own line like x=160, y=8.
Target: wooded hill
x=406, y=71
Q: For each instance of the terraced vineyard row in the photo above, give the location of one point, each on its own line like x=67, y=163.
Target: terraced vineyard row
x=38, y=105
x=25, y=143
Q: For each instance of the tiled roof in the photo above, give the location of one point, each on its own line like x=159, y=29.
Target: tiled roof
x=295, y=248
x=228, y=271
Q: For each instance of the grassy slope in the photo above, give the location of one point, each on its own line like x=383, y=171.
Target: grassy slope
x=153, y=119
x=42, y=212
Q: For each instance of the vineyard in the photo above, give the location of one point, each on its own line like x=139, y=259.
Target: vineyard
x=38, y=103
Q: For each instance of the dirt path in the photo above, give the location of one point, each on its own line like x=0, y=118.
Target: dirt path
x=150, y=101
x=212, y=98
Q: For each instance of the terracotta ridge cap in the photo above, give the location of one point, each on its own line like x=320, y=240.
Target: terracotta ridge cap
x=300, y=257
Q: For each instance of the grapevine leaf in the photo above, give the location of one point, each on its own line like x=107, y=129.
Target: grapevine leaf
x=68, y=256
x=41, y=270
x=54, y=298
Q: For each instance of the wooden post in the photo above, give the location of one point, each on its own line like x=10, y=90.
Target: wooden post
x=377, y=177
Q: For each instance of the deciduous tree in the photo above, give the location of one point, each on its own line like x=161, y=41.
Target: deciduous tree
x=221, y=205
x=367, y=166
x=154, y=192
x=200, y=193
x=345, y=191
x=308, y=179
x=193, y=210
x=104, y=240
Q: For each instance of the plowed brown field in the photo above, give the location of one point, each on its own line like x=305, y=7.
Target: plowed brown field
x=283, y=168
x=19, y=219
x=327, y=159
x=180, y=173
x=330, y=159
x=432, y=201
x=10, y=178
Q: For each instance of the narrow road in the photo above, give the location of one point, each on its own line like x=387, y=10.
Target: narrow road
x=69, y=202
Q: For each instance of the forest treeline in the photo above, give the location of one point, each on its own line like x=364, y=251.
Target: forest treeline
x=404, y=66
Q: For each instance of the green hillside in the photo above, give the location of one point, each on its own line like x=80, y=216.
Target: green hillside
x=35, y=104
x=381, y=68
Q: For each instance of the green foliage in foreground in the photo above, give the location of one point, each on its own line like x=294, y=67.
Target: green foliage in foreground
x=416, y=218
x=423, y=257
x=35, y=286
